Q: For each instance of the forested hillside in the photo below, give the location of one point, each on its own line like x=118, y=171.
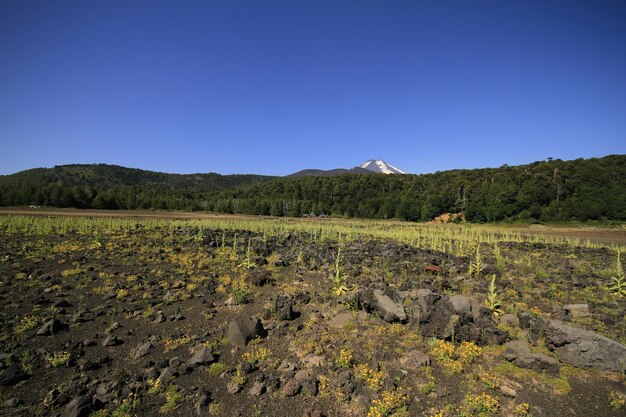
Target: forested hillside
x=549, y=190
x=114, y=187
x=553, y=190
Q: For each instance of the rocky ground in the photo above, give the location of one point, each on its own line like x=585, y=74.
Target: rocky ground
x=179, y=322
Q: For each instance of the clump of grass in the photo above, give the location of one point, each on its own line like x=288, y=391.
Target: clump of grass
x=125, y=409
x=372, y=378
x=345, y=358
x=454, y=358
x=389, y=403
x=500, y=260
x=468, y=352
x=256, y=355
x=25, y=324
x=240, y=295
x=444, y=353
x=154, y=385
x=215, y=408
x=240, y=377
x=560, y=384
x=616, y=401
x=173, y=399
x=482, y=404
x=59, y=359
x=216, y=369
x=488, y=379
x=522, y=410
x=173, y=344
x=70, y=272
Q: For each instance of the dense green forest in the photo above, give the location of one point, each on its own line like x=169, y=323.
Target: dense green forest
x=553, y=190
x=114, y=187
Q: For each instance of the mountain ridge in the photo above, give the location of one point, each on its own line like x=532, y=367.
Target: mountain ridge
x=375, y=166
x=381, y=167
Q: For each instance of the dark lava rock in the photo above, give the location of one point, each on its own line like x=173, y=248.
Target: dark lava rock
x=258, y=277
x=50, y=327
x=387, y=308
x=62, y=304
x=201, y=355
x=575, y=311
x=283, y=308
x=233, y=388
x=443, y=316
x=415, y=359
x=257, y=389
x=535, y=325
x=584, y=348
x=312, y=412
x=142, y=349
x=291, y=388
x=12, y=402
x=78, y=407
x=346, y=382
x=111, y=340
x=519, y=353
x=202, y=404
x=244, y=328
x=363, y=397
x=5, y=357
x=510, y=320
x=272, y=383
x=12, y=375
x=434, y=316
x=309, y=387
x=159, y=317
x=167, y=374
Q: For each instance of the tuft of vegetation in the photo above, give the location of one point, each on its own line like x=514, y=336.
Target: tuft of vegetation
x=173, y=399
x=483, y=404
x=256, y=355
x=492, y=302
x=476, y=265
x=59, y=359
x=25, y=323
x=390, y=403
x=339, y=278
x=345, y=359
x=372, y=378
x=248, y=262
x=216, y=369
x=616, y=401
x=617, y=285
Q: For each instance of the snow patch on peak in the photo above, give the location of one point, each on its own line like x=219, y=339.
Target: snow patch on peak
x=380, y=166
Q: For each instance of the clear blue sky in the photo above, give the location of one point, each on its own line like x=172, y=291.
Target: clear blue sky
x=272, y=87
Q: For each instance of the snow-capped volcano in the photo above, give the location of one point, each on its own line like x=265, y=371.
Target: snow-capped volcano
x=380, y=166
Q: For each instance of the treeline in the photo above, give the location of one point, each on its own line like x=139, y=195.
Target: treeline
x=553, y=190
x=113, y=187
